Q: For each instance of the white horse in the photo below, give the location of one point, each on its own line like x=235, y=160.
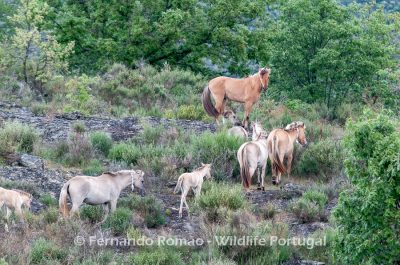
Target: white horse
x=14, y=200
x=192, y=180
x=104, y=189
x=252, y=156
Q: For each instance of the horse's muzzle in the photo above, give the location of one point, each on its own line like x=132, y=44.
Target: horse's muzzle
x=143, y=192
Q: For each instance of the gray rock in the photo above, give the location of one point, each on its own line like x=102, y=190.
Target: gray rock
x=291, y=187
x=31, y=161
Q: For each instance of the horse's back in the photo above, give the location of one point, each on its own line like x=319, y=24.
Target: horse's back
x=238, y=131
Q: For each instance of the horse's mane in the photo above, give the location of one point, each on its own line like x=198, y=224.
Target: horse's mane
x=294, y=125
x=23, y=192
x=112, y=174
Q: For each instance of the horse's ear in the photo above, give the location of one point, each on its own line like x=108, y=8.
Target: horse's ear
x=202, y=164
x=262, y=71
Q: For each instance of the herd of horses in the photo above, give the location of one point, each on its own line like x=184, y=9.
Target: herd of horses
x=252, y=155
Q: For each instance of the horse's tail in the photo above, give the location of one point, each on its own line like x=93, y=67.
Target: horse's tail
x=207, y=103
x=277, y=164
x=244, y=169
x=62, y=202
x=178, y=185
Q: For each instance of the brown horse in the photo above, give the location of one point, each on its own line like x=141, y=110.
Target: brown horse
x=281, y=144
x=247, y=90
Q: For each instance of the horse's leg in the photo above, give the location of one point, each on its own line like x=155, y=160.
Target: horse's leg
x=187, y=206
x=219, y=106
x=183, y=196
x=198, y=190
x=113, y=205
x=106, y=210
x=281, y=158
x=247, y=109
x=18, y=212
x=263, y=176
x=289, y=163
x=258, y=177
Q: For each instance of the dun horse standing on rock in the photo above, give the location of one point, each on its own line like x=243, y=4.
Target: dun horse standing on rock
x=247, y=90
x=281, y=145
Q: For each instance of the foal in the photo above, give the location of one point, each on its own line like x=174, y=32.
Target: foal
x=14, y=199
x=192, y=180
x=236, y=129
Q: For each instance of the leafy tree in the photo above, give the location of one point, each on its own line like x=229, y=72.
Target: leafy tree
x=326, y=52
x=33, y=49
x=189, y=33
x=368, y=215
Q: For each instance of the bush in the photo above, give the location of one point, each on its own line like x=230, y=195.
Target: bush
x=17, y=137
x=322, y=159
x=43, y=251
x=367, y=215
x=101, y=142
x=91, y=213
x=190, y=112
x=48, y=200
x=268, y=211
x=79, y=147
x=219, y=149
x=216, y=195
x=310, y=207
x=50, y=215
x=157, y=255
x=94, y=168
x=127, y=153
x=148, y=207
x=119, y=221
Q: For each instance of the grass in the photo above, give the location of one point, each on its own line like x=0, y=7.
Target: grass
x=101, y=142
x=119, y=221
x=310, y=207
x=17, y=137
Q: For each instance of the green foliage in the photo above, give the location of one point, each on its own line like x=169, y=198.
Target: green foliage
x=127, y=153
x=43, y=251
x=215, y=195
x=220, y=150
x=48, y=200
x=268, y=211
x=180, y=33
x=15, y=136
x=34, y=50
x=310, y=207
x=93, y=214
x=190, y=112
x=94, y=168
x=368, y=214
x=119, y=221
x=50, y=215
x=157, y=255
x=322, y=159
x=148, y=207
x=326, y=52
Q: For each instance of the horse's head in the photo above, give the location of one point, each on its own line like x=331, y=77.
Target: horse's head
x=300, y=127
x=231, y=117
x=207, y=167
x=264, y=77
x=27, y=200
x=258, y=131
x=138, y=181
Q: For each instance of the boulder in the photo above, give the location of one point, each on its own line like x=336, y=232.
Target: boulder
x=31, y=161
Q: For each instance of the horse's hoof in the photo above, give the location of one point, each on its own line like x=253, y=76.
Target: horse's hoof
x=263, y=188
x=274, y=182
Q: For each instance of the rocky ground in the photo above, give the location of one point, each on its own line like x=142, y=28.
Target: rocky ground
x=45, y=178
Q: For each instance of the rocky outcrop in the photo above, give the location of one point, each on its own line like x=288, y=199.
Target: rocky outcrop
x=31, y=161
x=57, y=128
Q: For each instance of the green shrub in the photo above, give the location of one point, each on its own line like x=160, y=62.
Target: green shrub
x=367, y=215
x=15, y=136
x=94, y=168
x=3, y=262
x=222, y=195
x=43, y=251
x=48, y=200
x=151, y=135
x=101, y=142
x=119, y=221
x=268, y=211
x=50, y=215
x=148, y=207
x=190, y=112
x=322, y=159
x=157, y=255
x=219, y=149
x=80, y=149
x=93, y=214
x=310, y=207
x=127, y=153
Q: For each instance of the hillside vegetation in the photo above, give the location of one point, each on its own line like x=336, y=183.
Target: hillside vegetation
x=81, y=65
